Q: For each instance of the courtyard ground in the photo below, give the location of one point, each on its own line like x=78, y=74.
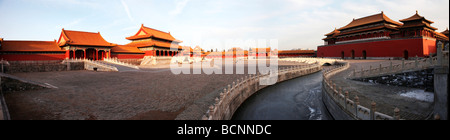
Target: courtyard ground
x=151, y=93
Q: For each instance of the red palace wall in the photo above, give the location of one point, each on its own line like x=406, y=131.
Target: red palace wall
x=148, y=53
x=32, y=57
x=128, y=56
x=224, y=56
x=389, y=48
x=295, y=55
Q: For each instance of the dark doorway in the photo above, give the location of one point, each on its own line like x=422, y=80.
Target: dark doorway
x=353, y=54
x=90, y=54
x=79, y=54
x=405, y=55
x=364, y=53
x=101, y=55
x=342, y=55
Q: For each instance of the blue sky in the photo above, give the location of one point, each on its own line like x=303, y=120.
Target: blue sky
x=297, y=24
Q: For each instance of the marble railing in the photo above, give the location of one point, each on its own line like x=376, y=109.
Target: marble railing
x=351, y=107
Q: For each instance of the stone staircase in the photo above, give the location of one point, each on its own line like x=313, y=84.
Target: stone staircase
x=117, y=62
x=92, y=65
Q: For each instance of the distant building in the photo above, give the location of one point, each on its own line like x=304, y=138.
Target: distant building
x=296, y=53
x=155, y=42
x=260, y=52
x=17, y=50
x=379, y=37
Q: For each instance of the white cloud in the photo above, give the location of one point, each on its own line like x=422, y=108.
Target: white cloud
x=131, y=28
x=125, y=6
x=180, y=4
x=71, y=24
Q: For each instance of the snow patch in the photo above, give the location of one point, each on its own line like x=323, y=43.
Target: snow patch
x=419, y=95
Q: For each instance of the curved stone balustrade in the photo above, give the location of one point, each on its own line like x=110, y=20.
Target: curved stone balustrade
x=236, y=93
x=442, y=59
x=341, y=107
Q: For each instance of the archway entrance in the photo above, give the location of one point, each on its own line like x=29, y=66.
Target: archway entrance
x=405, y=55
x=342, y=55
x=364, y=53
x=353, y=54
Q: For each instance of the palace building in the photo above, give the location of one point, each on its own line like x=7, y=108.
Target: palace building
x=84, y=45
x=144, y=45
x=91, y=45
x=14, y=50
x=154, y=42
x=379, y=37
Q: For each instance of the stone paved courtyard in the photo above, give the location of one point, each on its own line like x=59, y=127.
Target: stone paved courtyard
x=152, y=93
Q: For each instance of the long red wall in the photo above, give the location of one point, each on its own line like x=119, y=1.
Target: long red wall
x=32, y=57
x=128, y=56
x=390, y=48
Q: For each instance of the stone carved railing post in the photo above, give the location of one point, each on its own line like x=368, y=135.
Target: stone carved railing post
x=396, y=113
x=403, y=64
x=334, y=87
x=221, y=95
x=430, y=61
x=362, y=72
x=345, y=99
x=381, y=69
x=372, y=110
x=439, y=55
x=356, y=105
x=216, y=102
x=416, y=62
x=437, y=117
x=211, y=110
x=390, y=67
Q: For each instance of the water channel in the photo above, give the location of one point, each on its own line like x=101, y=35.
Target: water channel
x=296, y=99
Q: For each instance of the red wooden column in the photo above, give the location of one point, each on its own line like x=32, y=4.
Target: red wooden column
x=84, y=53
x=67, y=54
x=74, y=54
x=95, y=54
